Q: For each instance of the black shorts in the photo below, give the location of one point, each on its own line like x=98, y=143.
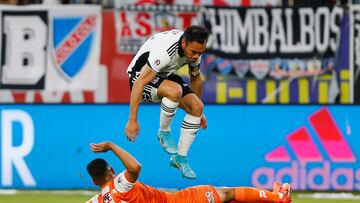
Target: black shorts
x=150, y=90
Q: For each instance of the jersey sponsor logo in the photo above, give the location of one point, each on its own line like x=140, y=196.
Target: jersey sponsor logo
x=262, y=194
x=210, y=197
x=314, y=166
x=72, y=39
x=155, y=80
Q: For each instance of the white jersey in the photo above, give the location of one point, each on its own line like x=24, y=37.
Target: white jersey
x=163, y=53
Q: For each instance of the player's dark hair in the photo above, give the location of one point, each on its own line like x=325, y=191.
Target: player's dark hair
x=97, y=168
x=196, y=33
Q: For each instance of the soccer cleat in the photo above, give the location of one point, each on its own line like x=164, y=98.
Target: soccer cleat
x=180, y=162
x=285, y=189
x=276, y=186
x=167, y=142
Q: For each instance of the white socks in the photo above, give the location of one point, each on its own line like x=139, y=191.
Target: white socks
x=168, y=109
x=189, y=128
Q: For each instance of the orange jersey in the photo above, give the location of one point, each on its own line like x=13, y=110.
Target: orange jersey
x=120, y=190
x=196, y=194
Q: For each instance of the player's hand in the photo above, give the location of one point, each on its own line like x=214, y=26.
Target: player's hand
x=132, y=130
x=100, y=147
x=203, y=124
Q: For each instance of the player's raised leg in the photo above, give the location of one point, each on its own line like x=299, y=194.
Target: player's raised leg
x=280, y=194
x=170, y=94
x=190, y=125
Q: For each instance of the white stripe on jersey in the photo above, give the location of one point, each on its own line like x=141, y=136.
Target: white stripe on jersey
x=147, y=88
x=122, y=184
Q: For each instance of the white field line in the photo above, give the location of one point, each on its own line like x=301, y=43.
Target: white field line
x=342, y=195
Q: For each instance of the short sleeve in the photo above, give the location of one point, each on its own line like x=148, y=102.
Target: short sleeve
x=158, y=59
x=122, y=184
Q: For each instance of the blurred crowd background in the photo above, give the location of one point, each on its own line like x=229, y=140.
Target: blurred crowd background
x=115, y=3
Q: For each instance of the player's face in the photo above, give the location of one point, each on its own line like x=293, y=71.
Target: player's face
x=193, y=50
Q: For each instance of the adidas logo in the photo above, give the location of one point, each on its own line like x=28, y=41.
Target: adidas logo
x=306, y=164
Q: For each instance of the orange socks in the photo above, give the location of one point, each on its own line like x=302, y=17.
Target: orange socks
x=249, y=194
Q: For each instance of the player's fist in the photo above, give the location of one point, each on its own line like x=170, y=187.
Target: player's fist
x=132, y=130
x=203, y=124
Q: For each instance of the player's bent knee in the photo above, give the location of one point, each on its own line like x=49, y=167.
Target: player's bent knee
x=172, y=92
x=197, y=108
x=175, y=94
x=225, y=193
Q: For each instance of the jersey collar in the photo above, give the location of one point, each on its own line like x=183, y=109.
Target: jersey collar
x=180, y=50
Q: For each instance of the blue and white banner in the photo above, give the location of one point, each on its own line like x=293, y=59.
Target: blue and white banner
x=312, y=147
x=50, y=48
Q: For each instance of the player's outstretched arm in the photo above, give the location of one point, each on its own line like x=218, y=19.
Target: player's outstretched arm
x=132, y=126
x=132, y=166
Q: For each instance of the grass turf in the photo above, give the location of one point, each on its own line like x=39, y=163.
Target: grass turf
x=76, y=198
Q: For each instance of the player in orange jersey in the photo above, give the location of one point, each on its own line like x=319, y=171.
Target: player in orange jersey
x=124, y=187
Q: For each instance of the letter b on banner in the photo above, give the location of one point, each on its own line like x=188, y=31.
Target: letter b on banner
x=24, y=50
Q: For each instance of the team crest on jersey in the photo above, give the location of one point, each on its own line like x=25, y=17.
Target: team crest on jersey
x=72, y=40
x=107, y=198
x=157, y=62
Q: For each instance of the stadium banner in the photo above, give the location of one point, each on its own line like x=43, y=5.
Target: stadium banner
x=313, y=147
x=137, y=23
x=53, y=49
x=233, y=3
x=355, y=53
x=276, y=55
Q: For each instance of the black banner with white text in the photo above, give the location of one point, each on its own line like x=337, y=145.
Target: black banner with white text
x=253, y=33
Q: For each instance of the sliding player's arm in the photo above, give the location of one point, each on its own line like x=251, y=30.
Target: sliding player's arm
x=132, y=166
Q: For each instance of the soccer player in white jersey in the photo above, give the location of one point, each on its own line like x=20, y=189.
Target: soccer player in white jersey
x=152, y=78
